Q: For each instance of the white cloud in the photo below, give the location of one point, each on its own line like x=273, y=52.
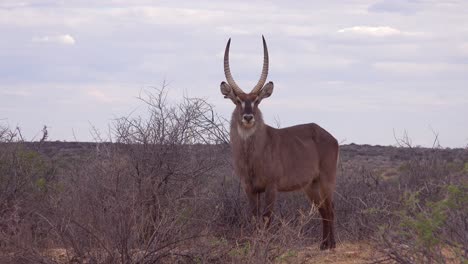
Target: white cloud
x=381, y=31
x=129, y=44
x=235, y=30
x=66, y=39
x=21, y=93
x=60, y=39
x=13, y=4
x=100, y=96
x=418, y=100
x=167, y=15
x=419, y=68
x=463, y=48
x=300, y=31
x=292, y=62
x=397, y=6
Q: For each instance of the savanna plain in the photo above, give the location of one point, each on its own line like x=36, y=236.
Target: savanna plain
x=160, y=188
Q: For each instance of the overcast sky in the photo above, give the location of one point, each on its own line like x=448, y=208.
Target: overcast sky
x=360, y=69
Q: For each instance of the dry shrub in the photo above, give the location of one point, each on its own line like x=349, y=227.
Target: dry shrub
x=415, y=215
x=24, y=177
x=430, y=224
x=163, y=192
x=256, y=243
x=139, y=200
x=240, y=238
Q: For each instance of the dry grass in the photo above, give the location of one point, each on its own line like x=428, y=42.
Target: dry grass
x=166, y=193
x=344, y=253
x=223, y=233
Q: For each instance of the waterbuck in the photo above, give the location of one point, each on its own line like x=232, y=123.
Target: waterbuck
x=269, y=160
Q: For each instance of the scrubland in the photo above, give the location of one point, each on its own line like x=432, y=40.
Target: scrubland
x=160, y=189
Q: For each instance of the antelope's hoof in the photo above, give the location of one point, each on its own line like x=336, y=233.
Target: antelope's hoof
x=327, y=244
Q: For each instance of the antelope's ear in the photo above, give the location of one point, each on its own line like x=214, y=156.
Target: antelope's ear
x=228, y=92
x=266, y=91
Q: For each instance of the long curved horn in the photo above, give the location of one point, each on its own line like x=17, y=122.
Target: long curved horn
x=264, y=75
x=227, y=70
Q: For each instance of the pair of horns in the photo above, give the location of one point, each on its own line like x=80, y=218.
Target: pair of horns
x=263, y=76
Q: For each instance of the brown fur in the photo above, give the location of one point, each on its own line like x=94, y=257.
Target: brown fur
x=270, y=160
x=302, y=157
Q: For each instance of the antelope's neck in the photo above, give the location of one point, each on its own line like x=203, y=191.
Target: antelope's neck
x=246, y=133
x=241, y=136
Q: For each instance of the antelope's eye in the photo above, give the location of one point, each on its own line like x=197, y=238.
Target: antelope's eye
x=239, y=101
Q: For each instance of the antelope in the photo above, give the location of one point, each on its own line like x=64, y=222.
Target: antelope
x=270, y=160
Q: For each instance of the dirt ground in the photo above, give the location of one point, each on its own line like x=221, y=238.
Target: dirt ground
x=344, y=253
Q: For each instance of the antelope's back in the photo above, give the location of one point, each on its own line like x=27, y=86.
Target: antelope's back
x=297, y=154
x=305, y=150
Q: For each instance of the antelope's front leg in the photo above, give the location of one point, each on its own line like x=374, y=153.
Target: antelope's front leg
x=254, y=201
x=270, y=198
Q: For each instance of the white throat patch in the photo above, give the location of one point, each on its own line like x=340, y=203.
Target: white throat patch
x=245, y=133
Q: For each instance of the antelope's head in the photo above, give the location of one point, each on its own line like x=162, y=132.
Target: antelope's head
x=246, y=103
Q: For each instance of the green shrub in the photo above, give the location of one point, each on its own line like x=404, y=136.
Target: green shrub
x=425, y=229
x=465, y=168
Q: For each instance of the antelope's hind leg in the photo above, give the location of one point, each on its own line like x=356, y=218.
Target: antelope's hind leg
x=322, y=198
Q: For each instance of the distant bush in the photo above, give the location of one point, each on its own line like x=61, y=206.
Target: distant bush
x=164, y=192
x=26, y=179
x=429, y=225
x=429, y=231
x=134, y=201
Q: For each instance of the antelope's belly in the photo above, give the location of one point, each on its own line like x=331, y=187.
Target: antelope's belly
x=293, y=182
